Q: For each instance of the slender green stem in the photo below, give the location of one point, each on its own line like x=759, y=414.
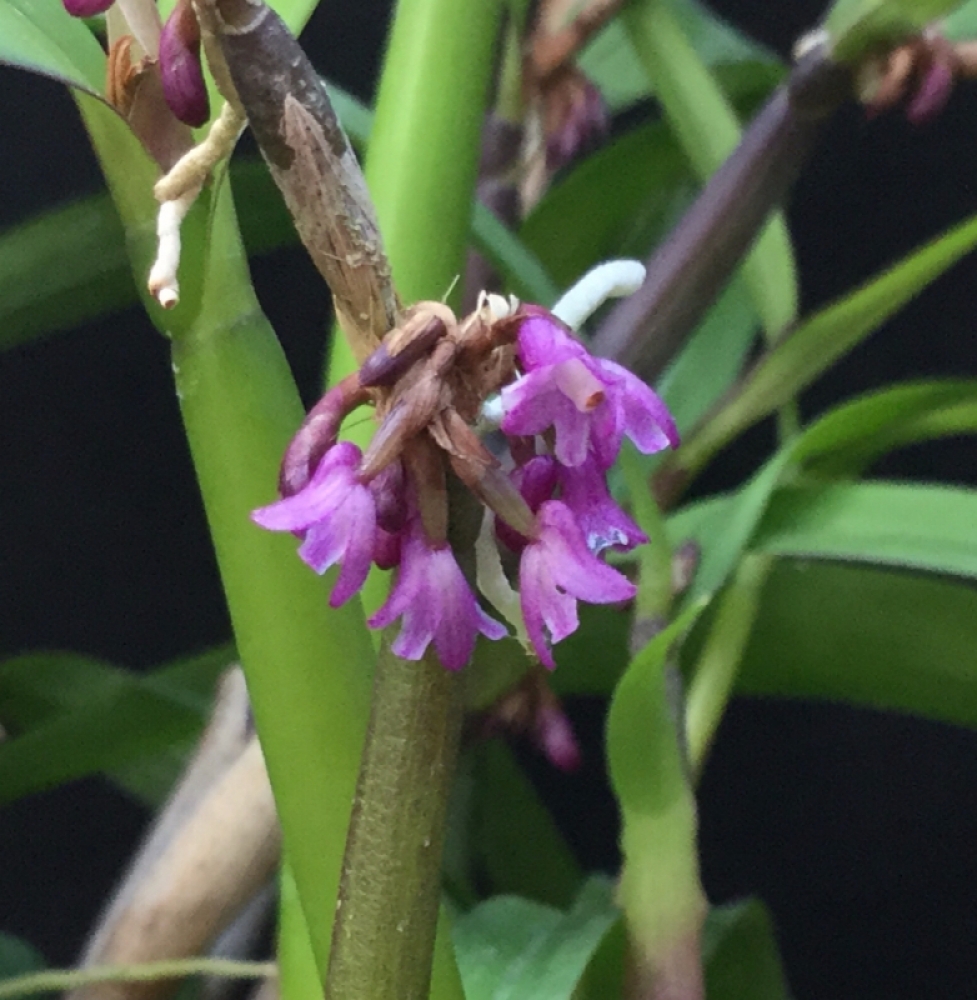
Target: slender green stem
x=58, y=980
x=421, y=169
x=715, y=671
x=391, y=884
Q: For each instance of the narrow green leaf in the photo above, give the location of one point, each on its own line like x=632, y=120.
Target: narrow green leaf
x=514, y=949
x=642, y=752
x=831, y=333
x=739, y=951
x=42, y=37
x=858, y=26
x=724, y=527
x=119, y=718
x=64, y=267
x=897, y=524
x=879, y=638
x=610, y=60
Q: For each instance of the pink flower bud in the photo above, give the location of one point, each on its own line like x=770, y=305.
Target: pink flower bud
x=180, y=68
x=87, y=8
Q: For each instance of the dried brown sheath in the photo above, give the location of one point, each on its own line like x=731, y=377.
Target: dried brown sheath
x=312, y=163
x=692, y=266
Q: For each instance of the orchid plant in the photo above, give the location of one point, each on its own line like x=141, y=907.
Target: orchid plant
x=518, y=456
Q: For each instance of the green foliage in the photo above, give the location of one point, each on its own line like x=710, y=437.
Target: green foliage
x=516, y=949
x=857, y=27
x=17, y=957
x=740, y=954
x=869, y=597
x=70, y=716
x=40, y=36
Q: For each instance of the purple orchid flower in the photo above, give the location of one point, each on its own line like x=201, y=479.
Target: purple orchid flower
x=583, y=488
x=591, y=403
x=336, y=516
x=436, y=604
x=556, y=570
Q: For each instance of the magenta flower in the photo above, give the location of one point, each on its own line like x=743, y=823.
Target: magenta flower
x=583, y=488
x=336, y=515
x=590, y=403
x=556, y=570
x=436, y=604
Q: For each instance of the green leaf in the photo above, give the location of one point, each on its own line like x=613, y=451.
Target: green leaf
x=642, y=751
x=822, y=339
x=879, y=638
x=52, y=277
x=897, y=524
x=856, y=431
x=17, y=957
x=610, y=60
x=858, y=26
x=42, y=37
x=514, y=949
x=711, y=359
x=527, y=857
x=73, y=716
x=961, y=25
x=740, y=955
x=606, y=207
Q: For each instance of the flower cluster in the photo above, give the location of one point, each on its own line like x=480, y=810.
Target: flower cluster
x=563, y=414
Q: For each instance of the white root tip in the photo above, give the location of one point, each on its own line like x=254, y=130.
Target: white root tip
x=612, y=279
x=163, y=283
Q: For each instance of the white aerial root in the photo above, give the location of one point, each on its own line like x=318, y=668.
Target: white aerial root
x=610, y=280
x=163, y=283
x=177, y=191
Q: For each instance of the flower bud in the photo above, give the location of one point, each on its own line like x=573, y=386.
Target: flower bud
x=180, y=68
x=87, y=8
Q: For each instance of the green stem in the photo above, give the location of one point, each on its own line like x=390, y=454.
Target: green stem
x=391, y=884
x=58, y=980
x=421, y=169
x=715, y=671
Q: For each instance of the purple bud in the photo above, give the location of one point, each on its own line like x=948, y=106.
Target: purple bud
x=87, y=8
x=180, y=68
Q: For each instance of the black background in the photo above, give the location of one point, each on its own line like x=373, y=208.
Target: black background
x=858, y=829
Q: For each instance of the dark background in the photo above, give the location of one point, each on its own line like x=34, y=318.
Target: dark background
x=857, y=828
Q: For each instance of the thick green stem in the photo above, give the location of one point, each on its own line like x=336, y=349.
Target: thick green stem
x=715, y=671
x=391, y=884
